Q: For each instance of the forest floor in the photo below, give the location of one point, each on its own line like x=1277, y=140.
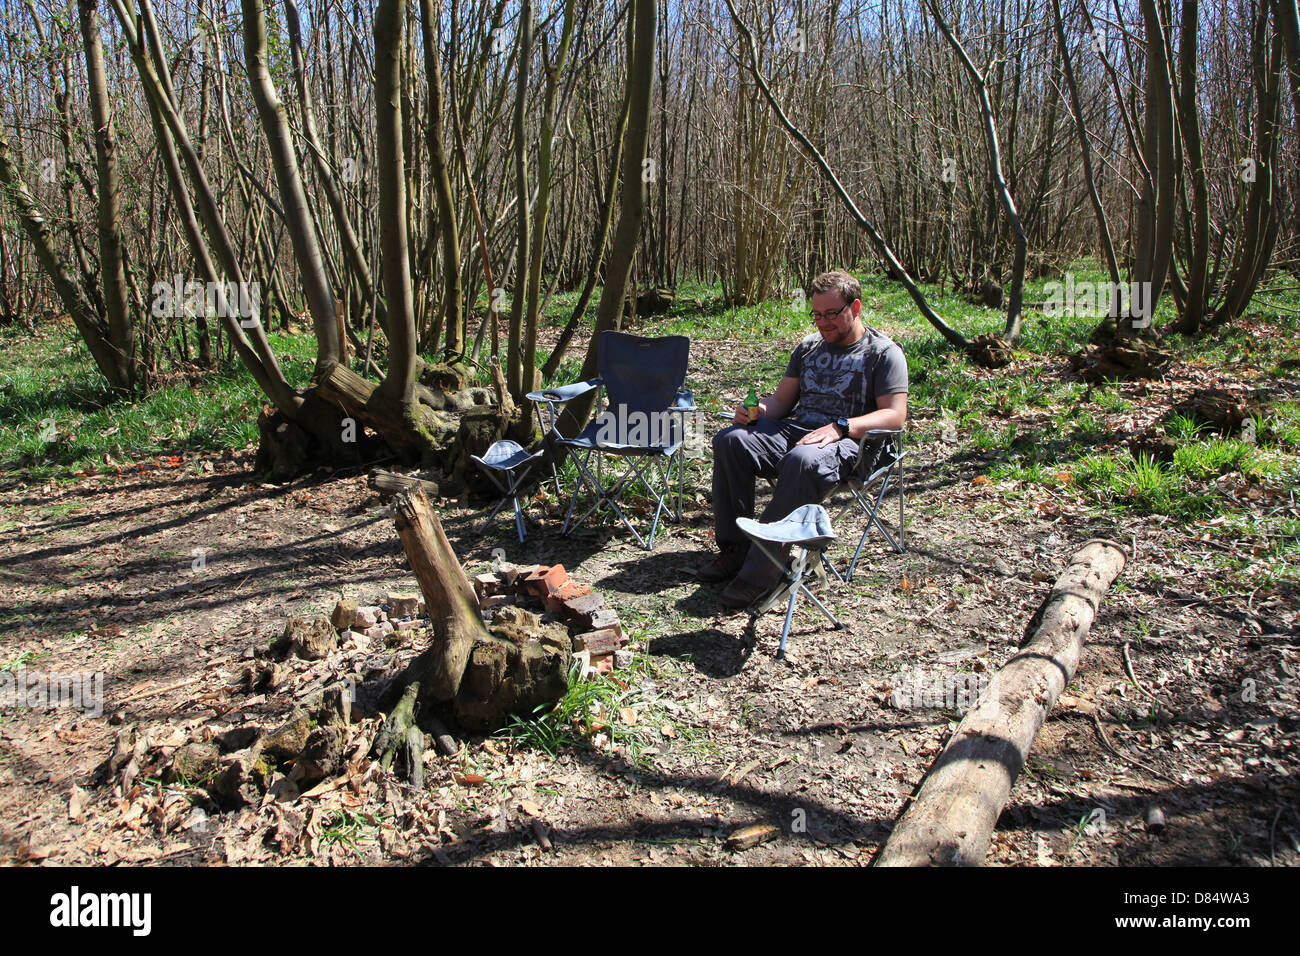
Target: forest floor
x=165, y=577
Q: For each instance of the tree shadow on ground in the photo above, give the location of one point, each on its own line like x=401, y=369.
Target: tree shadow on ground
x=225, y=574
x=650, y=572
x=712, y=652
x=1191, y=847
x=75, y=397
x=796, y=814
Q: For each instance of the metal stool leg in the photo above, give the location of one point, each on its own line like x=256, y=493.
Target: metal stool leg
x=519, y=518
x=785, y=628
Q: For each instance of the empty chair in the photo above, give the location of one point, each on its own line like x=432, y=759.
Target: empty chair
x=877, y=471
x=808, y=533
x=507, y=464
x=642, y=383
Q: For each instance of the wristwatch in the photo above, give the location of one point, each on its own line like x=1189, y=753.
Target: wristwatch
x=843, y=425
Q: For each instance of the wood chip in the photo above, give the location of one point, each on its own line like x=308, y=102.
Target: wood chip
x=543, y=836
x=76, y=805
x=751, y=836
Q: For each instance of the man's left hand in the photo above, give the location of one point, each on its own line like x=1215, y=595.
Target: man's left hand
x=821, y=437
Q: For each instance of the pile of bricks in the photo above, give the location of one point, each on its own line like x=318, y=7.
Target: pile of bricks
x=598, y=638
x=405, y=612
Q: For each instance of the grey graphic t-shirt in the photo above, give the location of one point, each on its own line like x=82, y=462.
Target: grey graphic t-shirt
x=844, y=382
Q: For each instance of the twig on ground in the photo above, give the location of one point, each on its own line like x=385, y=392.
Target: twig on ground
x=155, y=691
x=1128, y=668
x=1101, y=732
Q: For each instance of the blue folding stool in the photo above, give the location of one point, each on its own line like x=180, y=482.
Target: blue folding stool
x=808, y=532
x=507, y=464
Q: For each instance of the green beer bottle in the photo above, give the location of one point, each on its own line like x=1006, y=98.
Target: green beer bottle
x=751, y=405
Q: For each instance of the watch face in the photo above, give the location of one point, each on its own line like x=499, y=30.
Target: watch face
x=843, y=424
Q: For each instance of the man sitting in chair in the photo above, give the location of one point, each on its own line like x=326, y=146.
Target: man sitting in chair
x=842, y=381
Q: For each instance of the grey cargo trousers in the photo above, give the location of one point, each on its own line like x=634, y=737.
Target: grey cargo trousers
x=769, y=449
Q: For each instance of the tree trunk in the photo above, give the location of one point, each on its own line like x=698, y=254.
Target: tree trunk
x=1189, y=119
x=112, y=273
x=1154, y=244
x=1286, y=17
x=390, y=37
x=453, y=297
x=1085, y=148
x=599, y=241
x=1261, y=225
x=479, y=676
x=448, y=595
x=610, y=311
x=71, y=296
x=515, y=338
x=951, y=821
x=351, y=246
x=297, y=214
x=542, y=206
x=152, y=68
x=1015, y=292
x=882, y=248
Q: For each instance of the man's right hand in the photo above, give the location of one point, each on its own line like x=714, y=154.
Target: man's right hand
x=741, y=416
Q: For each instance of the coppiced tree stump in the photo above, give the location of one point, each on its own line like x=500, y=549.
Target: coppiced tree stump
x=476, y=674
x=440, y=428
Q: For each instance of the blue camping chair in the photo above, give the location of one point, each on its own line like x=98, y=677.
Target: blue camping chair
x=642, y=382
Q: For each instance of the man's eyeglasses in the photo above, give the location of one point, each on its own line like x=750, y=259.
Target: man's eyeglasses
x=827, y=316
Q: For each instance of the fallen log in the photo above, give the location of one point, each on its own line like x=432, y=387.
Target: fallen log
x=951, y=821
x=389, y=483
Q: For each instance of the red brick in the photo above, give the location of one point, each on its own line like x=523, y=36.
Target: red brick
x=403, y=605
x=546, y=581
x=485, y=585
x=603, y=664
x=557, y=601
x=578, y=611
x=607, y=618
x=605, y=641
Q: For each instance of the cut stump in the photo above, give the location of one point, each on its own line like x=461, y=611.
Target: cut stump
x=479, y=676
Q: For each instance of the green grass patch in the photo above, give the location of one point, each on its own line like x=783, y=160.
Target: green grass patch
x=58, y=416
x=594, y=711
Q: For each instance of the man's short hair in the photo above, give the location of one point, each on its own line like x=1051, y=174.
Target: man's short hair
x=838, y=281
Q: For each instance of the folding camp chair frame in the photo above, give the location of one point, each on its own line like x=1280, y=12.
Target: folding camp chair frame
x=638, y=459
x=633, y=471
x=889, y=474
x=805, y=556
x=515, y=476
